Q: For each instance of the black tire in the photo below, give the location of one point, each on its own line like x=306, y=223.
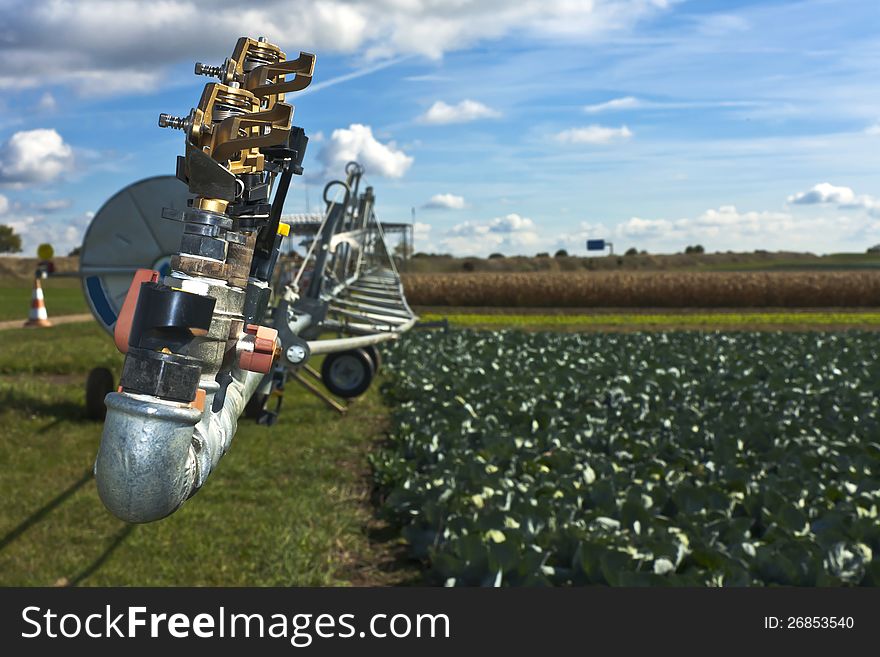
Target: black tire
x=375, y=356
x=98, y=384
x=348, y=374
x=254, y=408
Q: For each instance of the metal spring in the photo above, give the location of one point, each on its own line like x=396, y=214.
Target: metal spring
x=227, y=105
x=257, y=56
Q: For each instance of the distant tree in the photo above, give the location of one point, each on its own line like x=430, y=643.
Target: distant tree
x=697, y=248
x=403, y=250
x=542, y=254
x=468, y=265
x=644, y=252
x=76, y=251
x=10, y=241
x=495, y=256
x=632, y=251
x=561, y=253
x=420, y=254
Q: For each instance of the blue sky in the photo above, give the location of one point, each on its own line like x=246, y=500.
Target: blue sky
x=511, y=127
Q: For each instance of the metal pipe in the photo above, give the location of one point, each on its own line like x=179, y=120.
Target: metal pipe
x=154, y=455
x=394, y=311
x=374, y=317
x=357, y=328
x=354, y=292
x=317, y=347
x=380, y=303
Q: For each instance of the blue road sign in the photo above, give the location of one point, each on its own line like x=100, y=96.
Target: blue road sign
x=595, y=245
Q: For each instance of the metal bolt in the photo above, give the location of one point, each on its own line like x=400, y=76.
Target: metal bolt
x=263, y=39
x=210, y=71
x=170, y=121
x=296, y=353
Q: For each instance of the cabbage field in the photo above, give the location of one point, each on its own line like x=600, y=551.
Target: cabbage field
x=704, y=459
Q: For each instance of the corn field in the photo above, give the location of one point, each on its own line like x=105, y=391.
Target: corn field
x=646, y=289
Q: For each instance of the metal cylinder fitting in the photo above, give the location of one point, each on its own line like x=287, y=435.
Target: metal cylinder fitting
x=141, y=470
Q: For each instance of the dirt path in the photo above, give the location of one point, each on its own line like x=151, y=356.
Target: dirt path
x=63, y=319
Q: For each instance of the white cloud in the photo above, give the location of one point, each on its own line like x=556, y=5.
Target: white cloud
x=422, y=238
x=593, y=134
x=441, y=113
x=445, y=201
x=64, y=233
x=721, y=228
x=645, y=228
x=729, y=228
x=140, y=39
x=631, y=103
x=725, y=223
x=4, y=205
x=824, y=193
x=843, y=197
x=358, y=143
x=873, y=130
x=513, y=224
x=54, y=205
x=625, y=103
x=421, y=230
x=34, y=156
x=512, y=234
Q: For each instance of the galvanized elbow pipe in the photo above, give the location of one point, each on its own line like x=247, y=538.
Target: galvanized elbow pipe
x=143, y=470
x=154, y=455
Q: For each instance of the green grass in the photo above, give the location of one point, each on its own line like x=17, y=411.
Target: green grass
x=63, y=349
x=63, y=297
x=831, y=262
x=638, y=321
x=289, y=505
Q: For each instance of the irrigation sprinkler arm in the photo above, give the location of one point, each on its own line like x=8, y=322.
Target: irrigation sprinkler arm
x=195, y=350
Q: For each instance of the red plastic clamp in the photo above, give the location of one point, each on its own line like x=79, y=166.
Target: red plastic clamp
x=123, y=323
x=260, y=359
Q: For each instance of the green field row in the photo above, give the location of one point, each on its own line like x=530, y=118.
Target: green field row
x=635, y=459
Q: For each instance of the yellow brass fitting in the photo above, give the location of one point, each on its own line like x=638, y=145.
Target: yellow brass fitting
x=211, y=204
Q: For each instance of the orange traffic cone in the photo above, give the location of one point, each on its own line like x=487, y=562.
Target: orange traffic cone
x=37, y=317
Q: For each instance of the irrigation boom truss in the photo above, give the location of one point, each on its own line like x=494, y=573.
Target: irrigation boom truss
x=203, y=339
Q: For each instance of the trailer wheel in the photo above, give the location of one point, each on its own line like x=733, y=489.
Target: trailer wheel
x=98, y=384
x=348, y=374
x=375, y=356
